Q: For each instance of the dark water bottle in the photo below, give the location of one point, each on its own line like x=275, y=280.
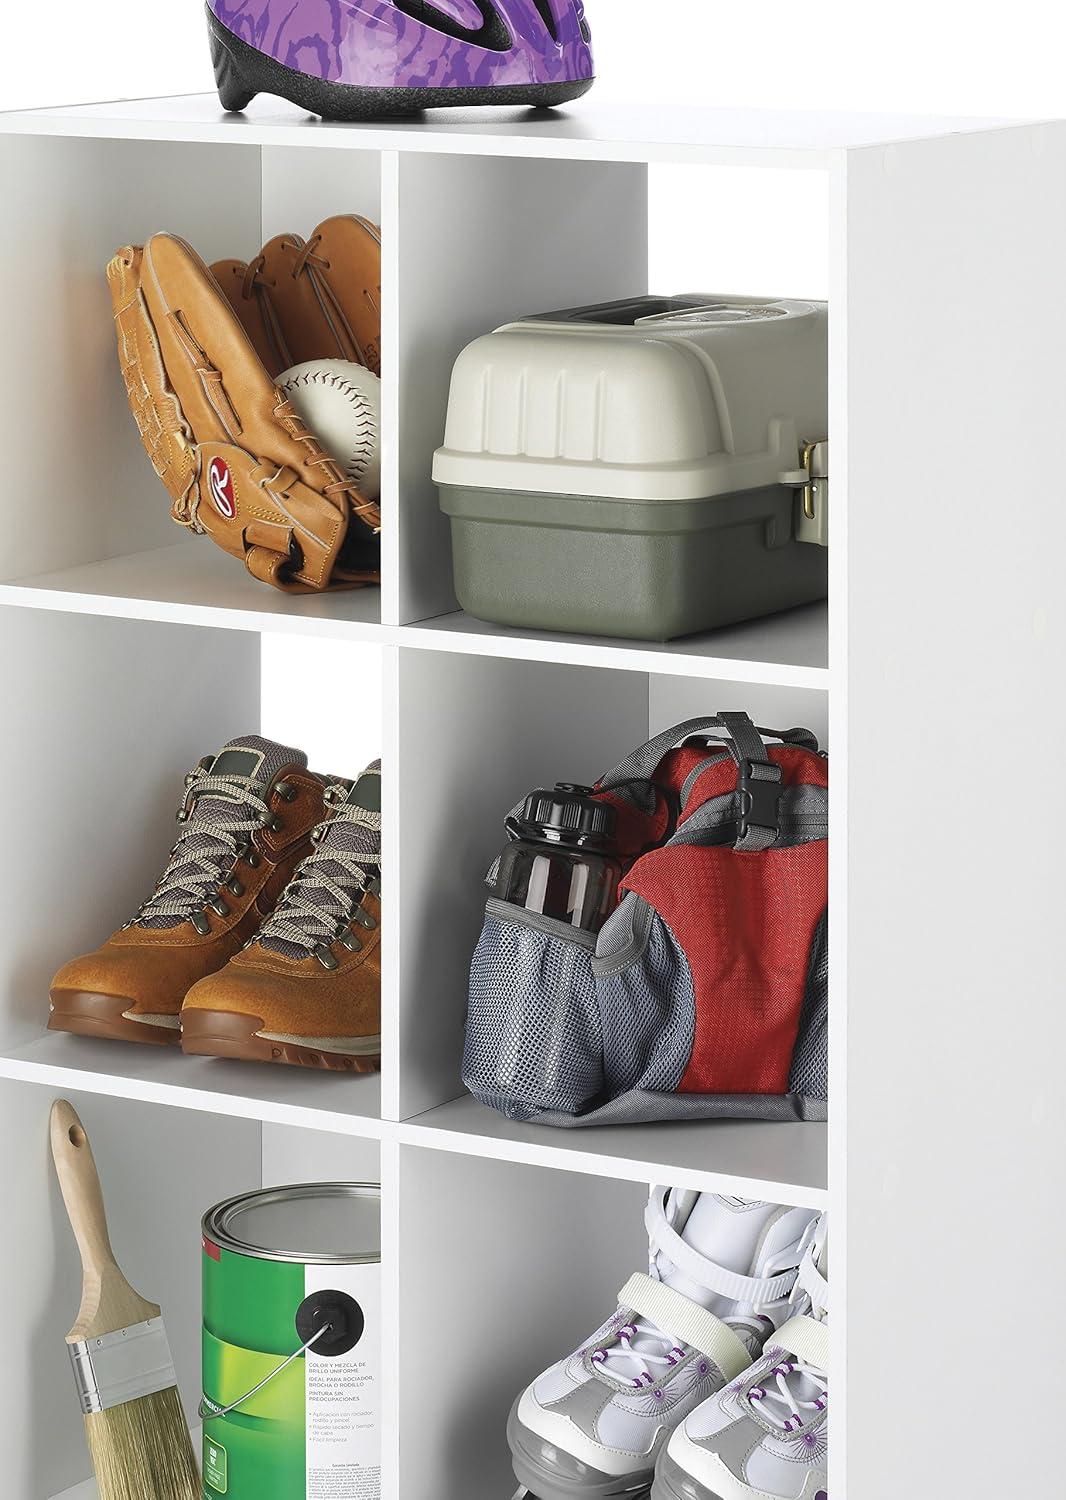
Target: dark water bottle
x=561, y=862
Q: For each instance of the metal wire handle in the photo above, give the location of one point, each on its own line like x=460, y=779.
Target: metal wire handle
x=207, y=1415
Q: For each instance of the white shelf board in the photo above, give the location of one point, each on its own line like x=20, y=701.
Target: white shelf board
x=784, y=650
x=87, y=1490
x=315, y=1099
x=784, y=1163
x=194, y=583
x=590, y=130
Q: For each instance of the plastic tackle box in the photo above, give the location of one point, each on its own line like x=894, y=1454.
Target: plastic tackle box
x=647, y=468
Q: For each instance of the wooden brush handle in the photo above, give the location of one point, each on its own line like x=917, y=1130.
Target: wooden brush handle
x=108, y=1302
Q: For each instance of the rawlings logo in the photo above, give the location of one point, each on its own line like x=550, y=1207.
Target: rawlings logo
x=222, y=492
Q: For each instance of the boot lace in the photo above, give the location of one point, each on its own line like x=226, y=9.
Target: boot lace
x=328, y=885
x=213, y=838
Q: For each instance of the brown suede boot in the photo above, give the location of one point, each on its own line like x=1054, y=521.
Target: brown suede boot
x=307, y=990
x=246, y=823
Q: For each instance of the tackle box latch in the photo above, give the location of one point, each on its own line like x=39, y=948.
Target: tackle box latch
x=812, y=501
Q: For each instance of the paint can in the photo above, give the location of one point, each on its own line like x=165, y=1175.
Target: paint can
x=292, y=1344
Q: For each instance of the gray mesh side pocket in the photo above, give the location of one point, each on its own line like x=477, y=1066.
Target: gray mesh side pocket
x=810, y=1061
x=533, y=1035
x=647, y=1001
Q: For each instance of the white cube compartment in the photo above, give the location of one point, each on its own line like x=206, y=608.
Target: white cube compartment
x=99, y=536
x=154, y=1215
x=116, y=712
x=492, y=730
x=938, y=245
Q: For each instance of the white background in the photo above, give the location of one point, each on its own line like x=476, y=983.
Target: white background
x=924, y=56
x=997, y=57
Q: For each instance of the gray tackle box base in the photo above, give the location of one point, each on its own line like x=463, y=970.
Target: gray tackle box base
x=646, y=570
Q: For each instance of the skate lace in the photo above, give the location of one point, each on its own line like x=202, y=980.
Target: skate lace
x=328, y=885
x=637, y=1345
x=784, y=1403
x=794, y=1386
x=212, y=839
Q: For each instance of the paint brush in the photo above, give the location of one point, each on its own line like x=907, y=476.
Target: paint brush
x=138, y=1438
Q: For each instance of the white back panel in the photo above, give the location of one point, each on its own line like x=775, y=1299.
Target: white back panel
x=81, y=485
x=481, y=243
x=504, y=1270
x=154, y=1206
x=101, y=724
x=476, y=735
x=301, y=188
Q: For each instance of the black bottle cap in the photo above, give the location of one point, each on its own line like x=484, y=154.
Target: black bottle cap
x=571, y=812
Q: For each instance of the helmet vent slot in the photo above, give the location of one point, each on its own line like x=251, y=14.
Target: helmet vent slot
x=493, y=34
x=547, y=14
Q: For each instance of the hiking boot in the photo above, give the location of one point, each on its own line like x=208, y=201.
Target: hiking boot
x=307, y=988
x=245, y=824
x=766, y=1436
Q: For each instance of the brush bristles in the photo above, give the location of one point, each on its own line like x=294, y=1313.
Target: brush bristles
x=143, y=1451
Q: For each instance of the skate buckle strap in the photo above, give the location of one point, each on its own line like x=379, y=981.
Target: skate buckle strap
x=806, y=1338
x=813, y=1282
x=686, y=1321
x=753, y=1291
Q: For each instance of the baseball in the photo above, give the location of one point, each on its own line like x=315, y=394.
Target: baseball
x=341, y=404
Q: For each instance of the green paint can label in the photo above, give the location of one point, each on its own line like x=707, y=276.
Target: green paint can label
x=291, y=1346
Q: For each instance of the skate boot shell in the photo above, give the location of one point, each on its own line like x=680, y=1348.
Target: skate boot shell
x=244, y=825
x=307, y=989
x=720, y=1274
x=765, y=1436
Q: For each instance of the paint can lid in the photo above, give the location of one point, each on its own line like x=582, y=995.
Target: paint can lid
x=317, y=1223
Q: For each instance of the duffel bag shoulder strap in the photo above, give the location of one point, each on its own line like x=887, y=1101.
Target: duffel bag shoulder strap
x=759, y=779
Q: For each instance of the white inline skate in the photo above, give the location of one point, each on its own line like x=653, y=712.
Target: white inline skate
x=721, y=1271
x=765, y=1436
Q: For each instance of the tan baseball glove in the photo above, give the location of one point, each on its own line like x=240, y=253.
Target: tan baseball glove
x=239, y=464
x=319, y=299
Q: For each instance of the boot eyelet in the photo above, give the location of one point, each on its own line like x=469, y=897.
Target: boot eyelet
x=251, y=859
x=326, y=957
x=201, y=922
x=363, y=917
x=217, y=903
x=270, y=821
x=286, y=791
x=352, y=942
x=234, y=886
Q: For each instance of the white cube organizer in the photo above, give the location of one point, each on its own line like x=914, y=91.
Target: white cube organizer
x=935, y=671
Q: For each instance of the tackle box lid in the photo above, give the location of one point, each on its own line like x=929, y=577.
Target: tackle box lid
x=648, y=398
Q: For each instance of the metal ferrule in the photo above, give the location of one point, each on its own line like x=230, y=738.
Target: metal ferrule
x=122, y=1366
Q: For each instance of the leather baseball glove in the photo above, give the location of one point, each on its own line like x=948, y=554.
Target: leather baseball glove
x=316, y=299
x=238, y=462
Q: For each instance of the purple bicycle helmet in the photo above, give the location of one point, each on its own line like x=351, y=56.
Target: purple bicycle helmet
x=364, y=59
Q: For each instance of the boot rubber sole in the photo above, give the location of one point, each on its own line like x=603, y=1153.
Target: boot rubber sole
x=221, y=1033
x=242, y=72
x=108, y=1016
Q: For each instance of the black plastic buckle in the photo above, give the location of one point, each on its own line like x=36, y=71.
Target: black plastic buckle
x=760, y=801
